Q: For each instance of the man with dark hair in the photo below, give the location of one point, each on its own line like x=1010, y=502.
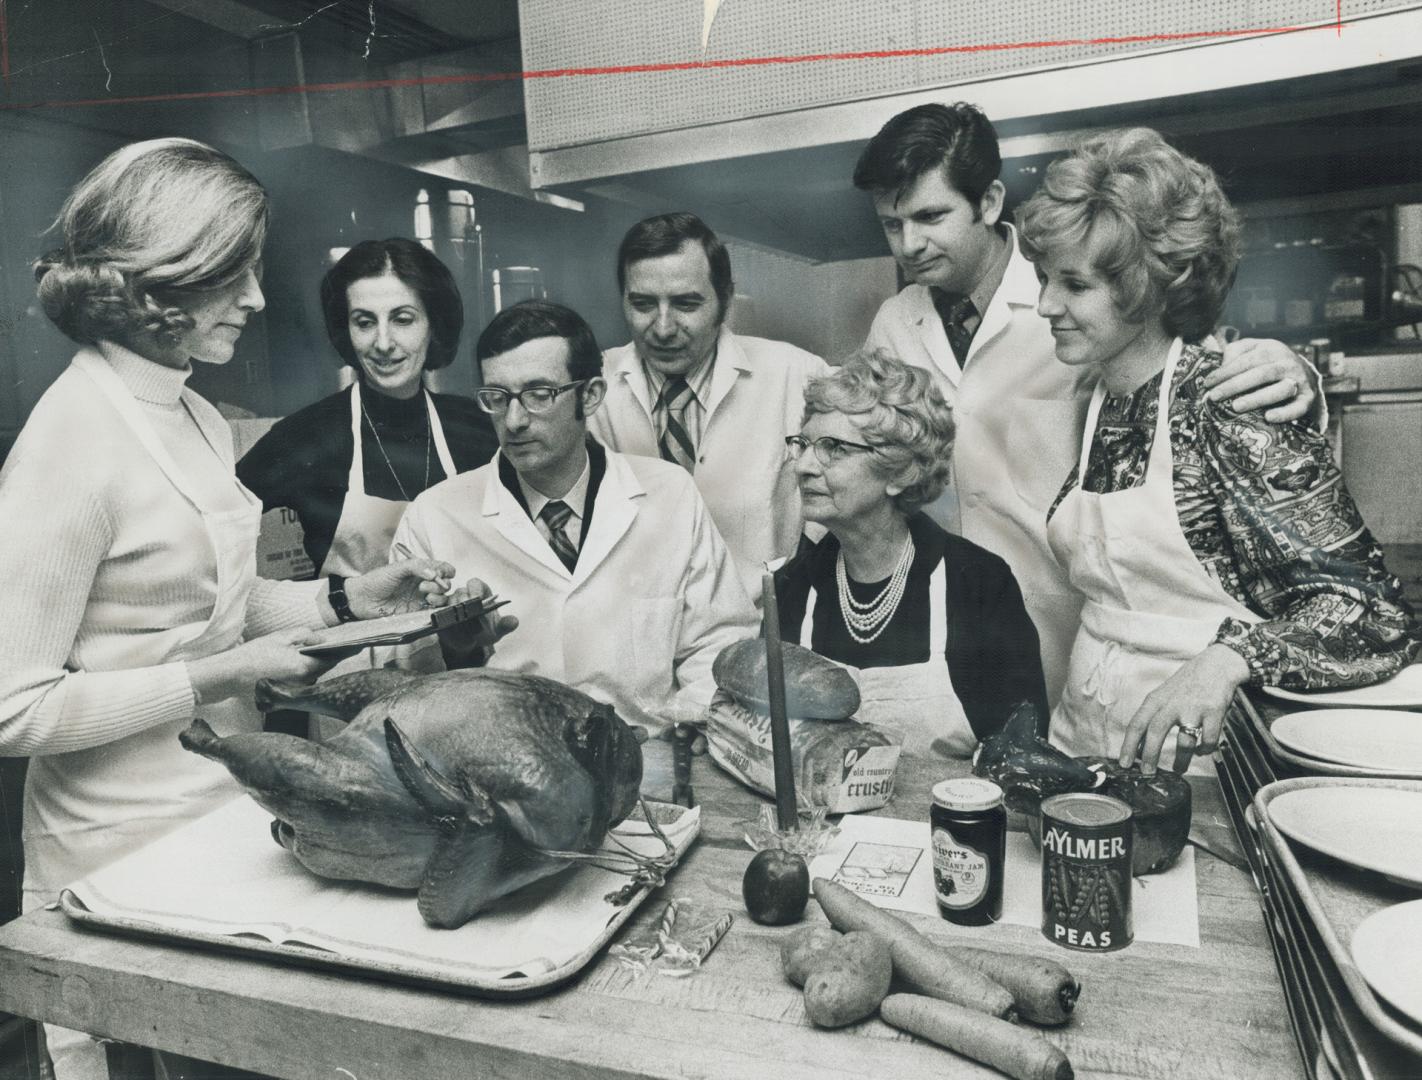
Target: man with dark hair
x=689, y=391
x=622, y=586
x=969, y=315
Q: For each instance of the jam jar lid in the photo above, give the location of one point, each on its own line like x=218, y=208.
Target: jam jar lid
x=967, y=793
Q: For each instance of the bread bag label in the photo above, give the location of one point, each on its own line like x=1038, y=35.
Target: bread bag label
x=843, y=766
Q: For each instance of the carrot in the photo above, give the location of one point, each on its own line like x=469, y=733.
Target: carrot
x=1020, y=1053
x=919, y=964
x=1045, y=992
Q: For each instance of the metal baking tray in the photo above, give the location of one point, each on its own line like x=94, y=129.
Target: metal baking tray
x=1336, y=898
x=1355, y=1049
x=540, y=975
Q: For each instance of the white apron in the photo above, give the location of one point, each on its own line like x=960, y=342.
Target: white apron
x=914, y=704
x=367, y=523
x=363, y=535
x=85, y=808
x=1150, y=605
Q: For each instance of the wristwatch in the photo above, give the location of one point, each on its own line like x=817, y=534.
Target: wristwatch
x=340, y=603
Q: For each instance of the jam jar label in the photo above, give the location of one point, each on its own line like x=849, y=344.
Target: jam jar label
x=960, y=872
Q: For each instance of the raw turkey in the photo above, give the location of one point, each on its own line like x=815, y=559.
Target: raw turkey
x=460, y=785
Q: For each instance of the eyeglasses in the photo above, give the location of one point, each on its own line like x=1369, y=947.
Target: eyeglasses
x=534, y=399
x=828, y=449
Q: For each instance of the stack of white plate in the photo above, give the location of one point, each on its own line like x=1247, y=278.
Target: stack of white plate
x=1368, y=727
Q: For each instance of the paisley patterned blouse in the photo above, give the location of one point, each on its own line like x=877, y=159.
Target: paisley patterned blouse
x=1264, y=508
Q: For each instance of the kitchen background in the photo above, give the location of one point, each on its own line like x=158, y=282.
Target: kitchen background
x=398, y=117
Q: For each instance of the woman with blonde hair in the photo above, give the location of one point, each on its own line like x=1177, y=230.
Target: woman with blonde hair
x=933, y=624
x=128, y=555
x=1214, y=549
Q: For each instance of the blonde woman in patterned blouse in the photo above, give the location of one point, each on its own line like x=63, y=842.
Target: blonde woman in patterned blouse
x=1215, y=549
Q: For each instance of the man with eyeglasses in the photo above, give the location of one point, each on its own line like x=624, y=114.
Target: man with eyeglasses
x=689, y=391
x=621, y=583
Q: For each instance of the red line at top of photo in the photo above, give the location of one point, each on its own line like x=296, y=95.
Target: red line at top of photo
x=684, y=65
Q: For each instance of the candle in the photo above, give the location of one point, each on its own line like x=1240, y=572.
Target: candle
x=786, y=816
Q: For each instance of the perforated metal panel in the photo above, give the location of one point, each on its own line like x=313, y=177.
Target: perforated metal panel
x=576, y=109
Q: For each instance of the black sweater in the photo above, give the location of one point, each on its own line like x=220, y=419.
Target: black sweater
x=304, y=461
x=993, y=655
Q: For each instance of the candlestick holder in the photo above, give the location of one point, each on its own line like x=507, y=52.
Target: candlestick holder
x=814, y=832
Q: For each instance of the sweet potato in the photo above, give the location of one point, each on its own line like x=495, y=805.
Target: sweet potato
x=847, y=980
x=919, y=964
x=799, y=950
x=1019, y=1052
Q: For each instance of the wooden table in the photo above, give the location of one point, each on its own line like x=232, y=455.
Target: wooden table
x=1150, y=1011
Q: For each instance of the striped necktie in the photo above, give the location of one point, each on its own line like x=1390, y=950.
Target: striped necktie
x=674, y=440
x=960, y=322
x=554, y=516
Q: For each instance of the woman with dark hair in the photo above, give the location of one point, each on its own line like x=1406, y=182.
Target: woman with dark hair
x=933, y=624
x=350, y=463
x=128, y=552
x=1214, y=549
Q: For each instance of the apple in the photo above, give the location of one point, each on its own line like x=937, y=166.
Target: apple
x=776, y=887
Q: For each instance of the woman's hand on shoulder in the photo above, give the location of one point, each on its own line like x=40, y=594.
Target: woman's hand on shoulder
x=1196, y=696
x=234, y=673
x=399, y=587
x=1264, y=374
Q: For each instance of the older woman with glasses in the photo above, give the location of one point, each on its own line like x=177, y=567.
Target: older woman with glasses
x=934, y=625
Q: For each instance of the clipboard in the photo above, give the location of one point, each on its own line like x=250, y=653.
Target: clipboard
x=339, y=642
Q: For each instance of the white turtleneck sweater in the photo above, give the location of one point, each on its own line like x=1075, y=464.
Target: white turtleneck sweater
x=103, y=562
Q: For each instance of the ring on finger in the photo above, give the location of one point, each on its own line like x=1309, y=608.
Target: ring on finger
x=1191, y=731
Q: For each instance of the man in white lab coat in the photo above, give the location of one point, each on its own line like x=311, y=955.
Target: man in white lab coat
x=688, y=390
x=969, y=315
x=621, y=583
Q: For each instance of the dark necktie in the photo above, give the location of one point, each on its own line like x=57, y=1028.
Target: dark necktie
x=674, y=440
x=555, y=516
x=960, y=322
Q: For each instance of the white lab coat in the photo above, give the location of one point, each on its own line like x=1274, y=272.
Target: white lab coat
x=1019, y=414
x=637, y=623
x=757, y=397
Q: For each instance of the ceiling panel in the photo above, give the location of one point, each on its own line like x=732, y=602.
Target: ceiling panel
x=1307, y=138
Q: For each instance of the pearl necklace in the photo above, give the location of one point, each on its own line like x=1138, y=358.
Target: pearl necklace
x=865, y=622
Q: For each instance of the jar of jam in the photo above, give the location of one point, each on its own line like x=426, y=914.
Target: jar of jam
x=969, y=829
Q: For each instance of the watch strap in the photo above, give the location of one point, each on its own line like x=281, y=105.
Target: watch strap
x=340, y=603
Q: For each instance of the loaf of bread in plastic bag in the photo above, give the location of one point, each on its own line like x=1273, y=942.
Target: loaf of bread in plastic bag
x=842, y=765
